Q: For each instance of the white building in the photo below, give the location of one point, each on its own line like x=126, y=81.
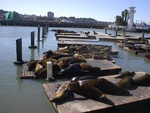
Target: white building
x=50, y=15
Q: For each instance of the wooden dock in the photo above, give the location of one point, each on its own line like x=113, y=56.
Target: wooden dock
x=64, y=43
x=107, y=68
x=77, y=40
x=107, y=37
x=74, y=36
x=138, y=52
x=135, y=103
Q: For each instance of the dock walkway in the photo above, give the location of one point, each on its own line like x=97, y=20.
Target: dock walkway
x=139, y=99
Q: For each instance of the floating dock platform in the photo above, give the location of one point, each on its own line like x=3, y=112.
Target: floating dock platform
x=138, y=100
x=107, y=68
x=103, y=36
x=74, y=36
x=77, y=40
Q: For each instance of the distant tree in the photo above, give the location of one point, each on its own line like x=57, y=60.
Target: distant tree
x=119, y=20
x=122, y=15
x=122, y=20
x=125, y=14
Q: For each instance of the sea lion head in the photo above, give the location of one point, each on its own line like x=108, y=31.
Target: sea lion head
x=61, y=94
x=31, y=65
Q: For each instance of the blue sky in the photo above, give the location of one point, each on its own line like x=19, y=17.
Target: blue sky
x=101, y=10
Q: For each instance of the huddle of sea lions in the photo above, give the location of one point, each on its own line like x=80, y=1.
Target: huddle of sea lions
x=97, y=88
x=127, y=79
x=61, y=64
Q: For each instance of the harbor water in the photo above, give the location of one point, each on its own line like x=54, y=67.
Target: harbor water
x=27, y=95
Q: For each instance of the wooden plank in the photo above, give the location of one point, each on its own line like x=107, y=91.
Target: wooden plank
x=25, y=73
x=77, y=34
x=68, y=43
x=76, y=39
x=73, y=36
x=103, y=64
x=139, y=98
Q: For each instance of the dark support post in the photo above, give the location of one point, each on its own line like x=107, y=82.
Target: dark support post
x=39, y=33
x=32, y=41
x=142, y=39
x=116, y=32
x=124, y=32
x=43, y=32
x=19, y=52
x=105, y=30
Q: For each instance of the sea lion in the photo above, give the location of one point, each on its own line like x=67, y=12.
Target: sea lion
x=56, y=68
x=85, y=90
x=85, y=66
x=143, y=80
x=59, y=56
x=107, y=86
x=41, y=73
x=31, y=65
x=125, y=82
x=77, y=78
x=91, y=92
x=38, y=66
x=63, y=64
x=61, y=94
x=71, y=60
x=126, y=73
x=73, y=68
x=47, y=54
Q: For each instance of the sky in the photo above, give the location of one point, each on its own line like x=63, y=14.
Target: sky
x=101, y=10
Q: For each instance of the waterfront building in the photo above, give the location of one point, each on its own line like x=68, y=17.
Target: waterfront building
x=50, y=15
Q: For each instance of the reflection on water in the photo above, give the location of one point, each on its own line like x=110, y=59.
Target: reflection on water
x=27, y=95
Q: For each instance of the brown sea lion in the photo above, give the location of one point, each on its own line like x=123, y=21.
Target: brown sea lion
x=61, y=93
x=87, y=90
x=38, y=66
x=41, y=73
x=126, y=73
x=71, y=60
x=47, y=54
x=71, y=69
x=103, y=85
x=125, y=82
x=91, y=92
x=58, y=56
x=109, y=87
x=63, y=64
x=85, y=66
x=31, y=65
x=143, y=80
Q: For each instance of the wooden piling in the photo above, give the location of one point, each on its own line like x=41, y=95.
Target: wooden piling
x=43, y=32
x=32, y=41
x=124, y=32
x=39, y=34
x=105, y=30
x=142, y=39
x=116, y=32
x=19, y=52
